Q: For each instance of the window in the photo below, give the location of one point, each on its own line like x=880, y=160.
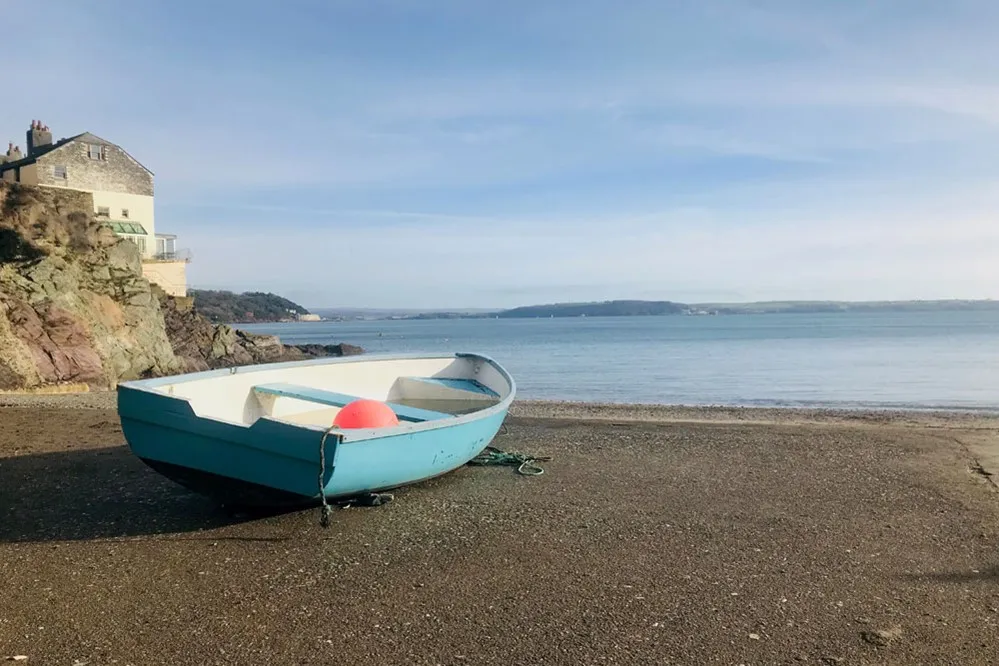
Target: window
x=103, y=211
x=165, y=247
x=124, y=213
x=140, y=241
x=95, y=151
x=59, y=172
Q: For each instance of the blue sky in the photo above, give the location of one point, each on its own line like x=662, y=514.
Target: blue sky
x=462, y=153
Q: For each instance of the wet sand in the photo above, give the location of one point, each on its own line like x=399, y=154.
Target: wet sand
x=655, y=536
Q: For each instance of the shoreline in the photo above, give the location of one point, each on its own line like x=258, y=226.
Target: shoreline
x=669, y=413
x=630, y=412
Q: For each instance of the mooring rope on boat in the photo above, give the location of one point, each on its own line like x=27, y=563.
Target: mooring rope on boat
x=525, y=463
x=324, y=519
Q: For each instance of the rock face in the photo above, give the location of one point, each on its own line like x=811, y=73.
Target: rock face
x=201, y=345
x=74, y=307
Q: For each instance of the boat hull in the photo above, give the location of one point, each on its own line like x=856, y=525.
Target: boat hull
x=272, y=463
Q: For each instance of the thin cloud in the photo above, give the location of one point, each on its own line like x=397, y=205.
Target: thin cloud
x=825, y=150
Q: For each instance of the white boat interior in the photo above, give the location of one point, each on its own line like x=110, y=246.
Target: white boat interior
x=312, y=392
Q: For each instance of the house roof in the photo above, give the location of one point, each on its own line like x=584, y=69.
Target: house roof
x=83, y=137
x=44, y=150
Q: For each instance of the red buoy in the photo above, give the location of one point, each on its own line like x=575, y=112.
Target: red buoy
x=366, y=413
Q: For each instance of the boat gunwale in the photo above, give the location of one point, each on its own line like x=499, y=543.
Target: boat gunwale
x=350, y=435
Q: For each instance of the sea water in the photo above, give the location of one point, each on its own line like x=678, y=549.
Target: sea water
x=946, y=360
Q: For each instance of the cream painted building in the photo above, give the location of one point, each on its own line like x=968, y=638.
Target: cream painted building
x=122, y=189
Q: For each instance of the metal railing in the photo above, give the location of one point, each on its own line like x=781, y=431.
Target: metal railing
x=177, y=255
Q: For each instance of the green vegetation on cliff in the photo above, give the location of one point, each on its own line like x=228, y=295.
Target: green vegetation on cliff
x=254, y=306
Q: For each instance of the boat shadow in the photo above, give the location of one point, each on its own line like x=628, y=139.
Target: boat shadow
x=101, y=493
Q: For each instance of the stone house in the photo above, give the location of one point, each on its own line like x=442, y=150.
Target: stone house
x=122, y=189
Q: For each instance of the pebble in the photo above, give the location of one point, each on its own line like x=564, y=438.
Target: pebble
x=881, y=637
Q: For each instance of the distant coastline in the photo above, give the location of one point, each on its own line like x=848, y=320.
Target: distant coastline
x=638, y=308
x=226, y=307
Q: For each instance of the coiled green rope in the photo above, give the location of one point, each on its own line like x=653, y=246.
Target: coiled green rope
x=525, y=463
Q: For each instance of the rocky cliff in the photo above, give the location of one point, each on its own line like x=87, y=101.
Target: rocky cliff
x=75, y=309
x=201, y=345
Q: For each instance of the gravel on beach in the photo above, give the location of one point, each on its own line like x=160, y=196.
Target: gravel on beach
x=656, y=535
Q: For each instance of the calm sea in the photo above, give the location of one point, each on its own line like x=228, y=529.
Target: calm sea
x=872, y=360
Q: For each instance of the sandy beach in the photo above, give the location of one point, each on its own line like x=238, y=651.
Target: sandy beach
x=657, y=535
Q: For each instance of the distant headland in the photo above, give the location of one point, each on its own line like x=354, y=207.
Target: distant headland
x=227, y=307
x=637, y=308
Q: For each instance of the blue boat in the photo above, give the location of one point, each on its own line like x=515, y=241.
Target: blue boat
x=262, y=435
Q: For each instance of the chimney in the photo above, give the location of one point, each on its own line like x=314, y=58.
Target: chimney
x=13, y=153
x=39, y=136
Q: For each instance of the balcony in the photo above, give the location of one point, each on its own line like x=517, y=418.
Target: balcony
x=167, y=265
x=183, y=254
x=166, y=249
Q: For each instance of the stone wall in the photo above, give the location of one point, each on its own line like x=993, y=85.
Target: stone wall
x=171, y=276
x=117, y=173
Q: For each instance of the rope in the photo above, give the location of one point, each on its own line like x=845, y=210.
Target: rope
x=324, y=518
x=525, y=463
x=489, y=456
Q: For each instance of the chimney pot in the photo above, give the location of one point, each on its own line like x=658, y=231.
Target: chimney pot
x=37, y=137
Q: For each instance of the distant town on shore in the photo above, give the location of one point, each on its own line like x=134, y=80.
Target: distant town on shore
x=225, y=306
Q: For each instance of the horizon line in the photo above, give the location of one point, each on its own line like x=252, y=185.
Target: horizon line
x=645, y=300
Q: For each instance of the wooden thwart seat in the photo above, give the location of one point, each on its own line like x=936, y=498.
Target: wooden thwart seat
x=334, y=399
x=457, y=384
